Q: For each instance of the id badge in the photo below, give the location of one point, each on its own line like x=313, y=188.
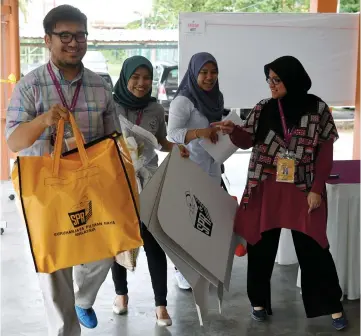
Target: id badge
x=286, y=169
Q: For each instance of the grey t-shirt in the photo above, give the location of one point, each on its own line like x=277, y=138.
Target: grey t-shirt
x=152, y=120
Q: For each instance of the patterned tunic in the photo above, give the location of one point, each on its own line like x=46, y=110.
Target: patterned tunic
x=268, y=204
x=314, y=128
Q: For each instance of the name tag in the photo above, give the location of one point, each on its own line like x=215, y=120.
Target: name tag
x=285, y=170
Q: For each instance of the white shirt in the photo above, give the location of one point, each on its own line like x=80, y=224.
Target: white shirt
x=183, y=116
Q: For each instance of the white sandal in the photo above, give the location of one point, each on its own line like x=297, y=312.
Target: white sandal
x=120, y=310
x=163, y=322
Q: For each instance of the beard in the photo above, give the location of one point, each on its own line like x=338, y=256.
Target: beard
x=66, y=64
x=69, y=64
x=64, y=61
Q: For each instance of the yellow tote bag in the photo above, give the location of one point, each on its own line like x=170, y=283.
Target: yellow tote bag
x=79, y=207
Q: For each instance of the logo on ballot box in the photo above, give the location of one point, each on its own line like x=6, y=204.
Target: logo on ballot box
x=81, y=213
x=199, y=214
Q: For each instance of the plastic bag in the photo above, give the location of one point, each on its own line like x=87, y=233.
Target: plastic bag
x=128, y=259
x=141, y=143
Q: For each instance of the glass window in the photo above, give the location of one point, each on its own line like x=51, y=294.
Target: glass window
x=173, y=77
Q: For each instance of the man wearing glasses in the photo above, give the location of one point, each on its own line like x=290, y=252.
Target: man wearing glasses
x=39, y=100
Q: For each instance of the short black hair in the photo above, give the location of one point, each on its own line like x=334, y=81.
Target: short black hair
x=63, y=13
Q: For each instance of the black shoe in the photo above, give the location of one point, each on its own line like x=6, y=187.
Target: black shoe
x=340, y=323
x=259, y=315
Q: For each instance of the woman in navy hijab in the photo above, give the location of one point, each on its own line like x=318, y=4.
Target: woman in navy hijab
x=197, y=103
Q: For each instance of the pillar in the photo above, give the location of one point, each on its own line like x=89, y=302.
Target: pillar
x=4, y=87
x=9, y=64
x=14, y=33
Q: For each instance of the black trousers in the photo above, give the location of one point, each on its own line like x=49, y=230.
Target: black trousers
x=321, y=292
x=157, y=264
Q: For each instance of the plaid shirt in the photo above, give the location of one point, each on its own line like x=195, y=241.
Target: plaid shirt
x=35, y=93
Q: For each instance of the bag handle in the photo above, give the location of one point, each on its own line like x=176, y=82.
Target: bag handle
x=59, y=144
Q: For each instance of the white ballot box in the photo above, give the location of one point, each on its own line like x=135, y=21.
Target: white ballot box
x=191, y=217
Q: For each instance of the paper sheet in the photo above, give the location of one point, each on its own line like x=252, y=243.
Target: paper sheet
x=224, y=148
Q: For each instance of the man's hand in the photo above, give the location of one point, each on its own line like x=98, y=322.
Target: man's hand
x=55, y=113
x=27, y=133
x=226, y=126
x=314, y=201
x=183, y=151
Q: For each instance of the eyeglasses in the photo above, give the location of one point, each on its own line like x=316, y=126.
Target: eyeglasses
x=273, y=80
x=67, y=37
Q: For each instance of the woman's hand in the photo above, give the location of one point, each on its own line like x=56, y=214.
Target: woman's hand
x=183, y=151
x=208, y=133
x=226, y=126
x=314, y=201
